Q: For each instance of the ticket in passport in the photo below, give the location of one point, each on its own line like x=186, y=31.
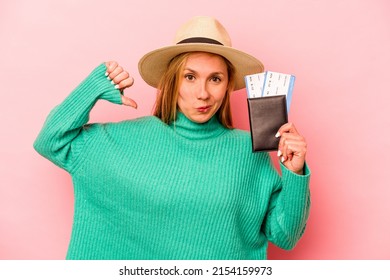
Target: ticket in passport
x=270, y=83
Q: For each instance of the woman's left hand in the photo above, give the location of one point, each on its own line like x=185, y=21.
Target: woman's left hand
x=292, y=148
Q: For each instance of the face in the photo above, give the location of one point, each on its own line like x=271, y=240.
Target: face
x=203, y=86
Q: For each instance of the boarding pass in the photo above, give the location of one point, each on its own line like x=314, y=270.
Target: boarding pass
x=270, y=83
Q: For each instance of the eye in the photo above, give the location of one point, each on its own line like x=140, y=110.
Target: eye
x=216, y=79
x=189, y=77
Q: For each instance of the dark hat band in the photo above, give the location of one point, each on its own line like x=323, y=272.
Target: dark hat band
x=199, y=40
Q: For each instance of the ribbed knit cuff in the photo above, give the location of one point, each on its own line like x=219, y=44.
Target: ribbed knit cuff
x=295, y=183
x=286, y=171
x=97, y=82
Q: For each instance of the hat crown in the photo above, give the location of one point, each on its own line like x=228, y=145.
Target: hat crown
x=203, y=27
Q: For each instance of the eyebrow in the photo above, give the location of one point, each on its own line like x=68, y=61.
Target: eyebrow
x=211, y=74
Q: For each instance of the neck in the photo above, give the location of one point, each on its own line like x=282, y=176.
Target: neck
x=183, y=126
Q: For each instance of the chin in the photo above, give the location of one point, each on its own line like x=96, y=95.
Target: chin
x=201, y=118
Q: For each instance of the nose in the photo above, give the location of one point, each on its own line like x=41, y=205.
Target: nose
x=203, y=93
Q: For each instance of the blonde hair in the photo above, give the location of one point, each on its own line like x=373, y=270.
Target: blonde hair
x=166, y=107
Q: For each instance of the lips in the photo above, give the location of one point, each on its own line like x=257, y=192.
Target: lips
x=203, y=109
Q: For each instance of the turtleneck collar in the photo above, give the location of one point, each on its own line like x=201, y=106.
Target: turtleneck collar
x=197, y=131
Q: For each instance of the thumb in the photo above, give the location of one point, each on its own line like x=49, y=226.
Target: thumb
x=128, y=101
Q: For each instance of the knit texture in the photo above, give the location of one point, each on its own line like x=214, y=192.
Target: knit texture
x=147, y=190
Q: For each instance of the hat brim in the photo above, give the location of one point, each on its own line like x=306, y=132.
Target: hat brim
x=153, y=64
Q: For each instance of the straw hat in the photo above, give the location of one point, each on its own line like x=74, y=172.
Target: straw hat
x=204, y=34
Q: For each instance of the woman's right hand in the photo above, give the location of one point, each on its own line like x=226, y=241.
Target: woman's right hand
x=121, y=79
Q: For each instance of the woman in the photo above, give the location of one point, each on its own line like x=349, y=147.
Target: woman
x=182, y=184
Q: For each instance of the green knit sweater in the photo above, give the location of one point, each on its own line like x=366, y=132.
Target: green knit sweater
x=147, y=190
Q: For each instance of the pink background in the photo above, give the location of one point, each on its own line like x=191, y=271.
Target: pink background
x=338, y=50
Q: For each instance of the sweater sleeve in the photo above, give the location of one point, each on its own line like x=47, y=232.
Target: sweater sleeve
x=61, y=138
x=288, y=209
